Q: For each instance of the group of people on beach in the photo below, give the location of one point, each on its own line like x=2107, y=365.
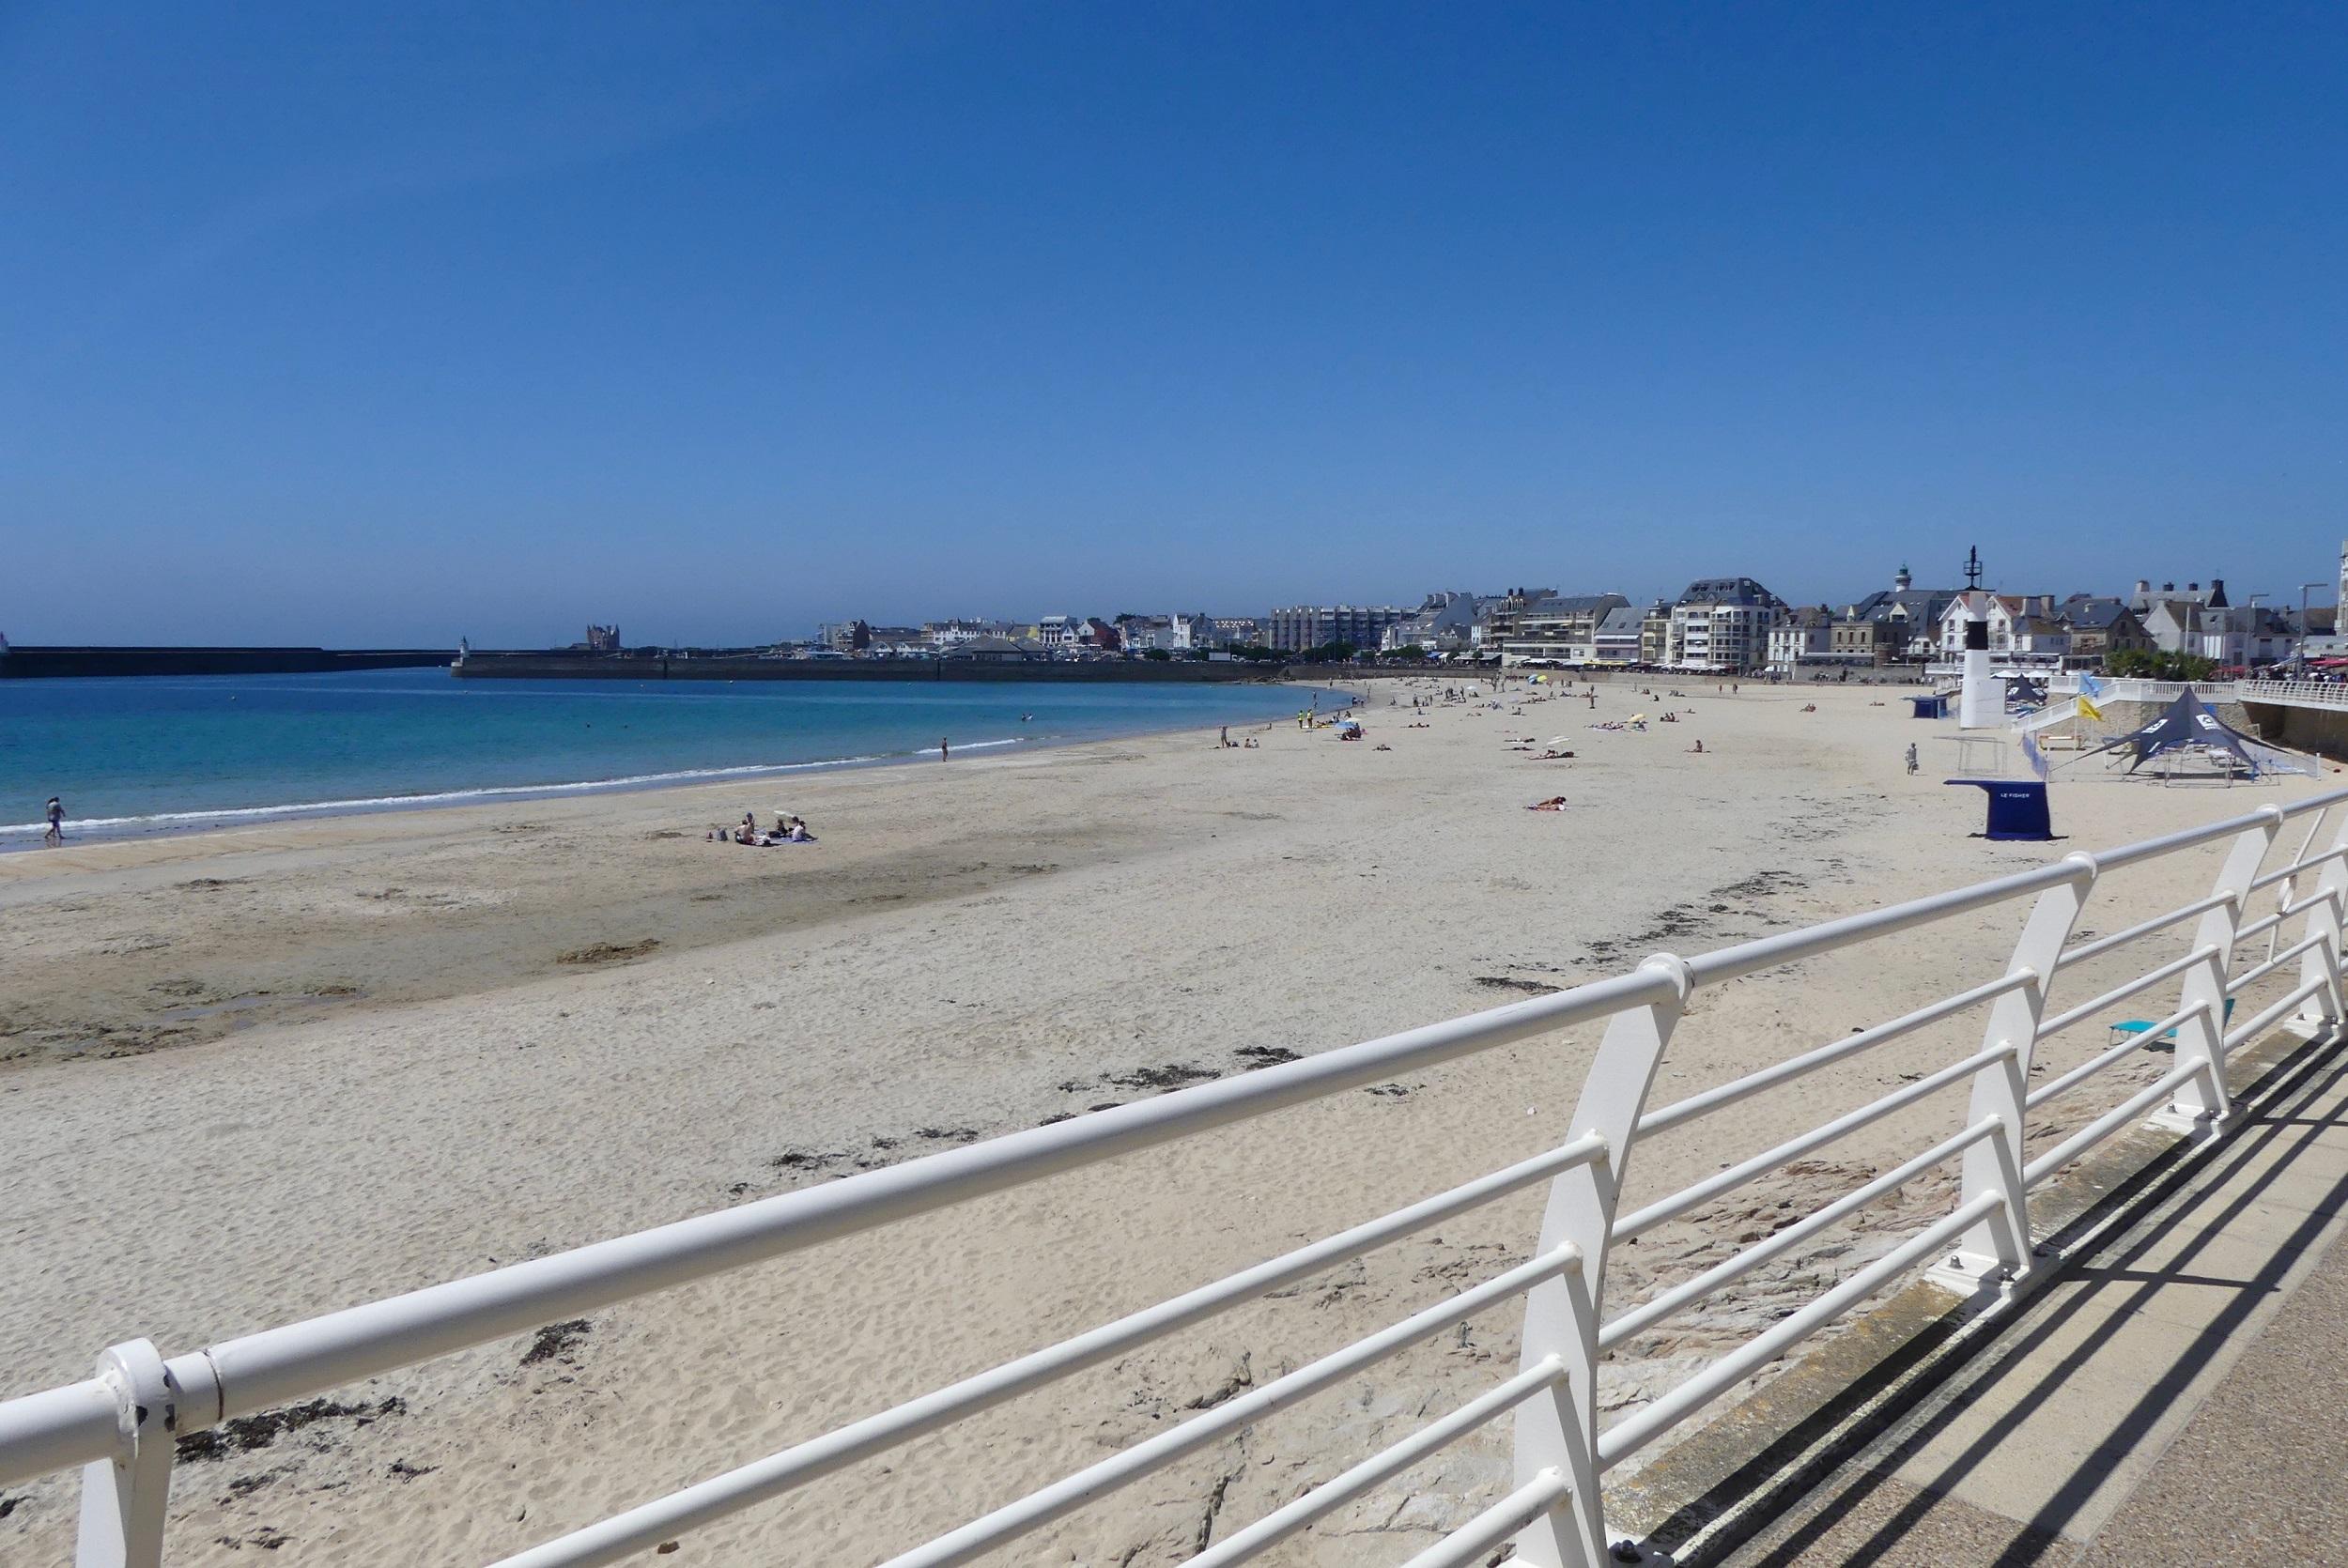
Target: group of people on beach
x=788, y=830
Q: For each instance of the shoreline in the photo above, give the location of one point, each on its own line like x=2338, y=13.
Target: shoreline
x=17, y=838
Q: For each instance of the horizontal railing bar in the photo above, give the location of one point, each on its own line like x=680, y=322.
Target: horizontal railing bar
x=2330, y=798
x=2103, y=944
x=2251, y=977
x=2266, y=1020
x=1750, y=958
x=2266, y=922
x=1634, y=1433
x=1469, y=1543
x=1810, y=1061
x=279, y=1365
x=2060, y=1022
x=1730, y=1270
x=57, y=1429
x=2261, y=926
x=2108, y=1123
x=2056, y=1088
x=1761, y=1165
x=2287, y=872
x=2149, y=849
x=706, y=1501
x=1043, y=1506
x=1382, y=1467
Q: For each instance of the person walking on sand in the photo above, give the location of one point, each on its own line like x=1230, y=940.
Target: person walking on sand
x=942, y=748
x=1911, y=759
x=56, y=835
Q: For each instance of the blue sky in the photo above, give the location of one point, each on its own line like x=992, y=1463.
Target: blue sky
x=319, y=325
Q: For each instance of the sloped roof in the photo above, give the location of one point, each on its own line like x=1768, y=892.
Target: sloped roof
x=1575, y=604
x=1726, y=591
x=2093, y=611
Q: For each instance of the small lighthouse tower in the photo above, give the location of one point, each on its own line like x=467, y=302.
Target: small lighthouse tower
x=1981, y=702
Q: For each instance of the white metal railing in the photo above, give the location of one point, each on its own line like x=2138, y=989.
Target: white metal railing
x=2299, y=694
x=121, y=1424
x=2128, y=688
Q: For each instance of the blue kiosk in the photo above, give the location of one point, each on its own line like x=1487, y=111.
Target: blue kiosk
x=2018, y=807
x=1934, y=706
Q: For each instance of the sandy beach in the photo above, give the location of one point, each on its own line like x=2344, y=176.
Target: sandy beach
x=250, y=1076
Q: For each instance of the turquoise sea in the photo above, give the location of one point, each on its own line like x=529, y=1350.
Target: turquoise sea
x=145, y=754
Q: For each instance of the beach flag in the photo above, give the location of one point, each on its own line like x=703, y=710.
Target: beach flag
x=2090, y=689
x=2087, y=709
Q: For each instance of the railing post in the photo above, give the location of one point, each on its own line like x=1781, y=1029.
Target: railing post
x=1561, y=1317
x=1997, y=1251
x=2201, y=1101
x=124, y=1498
x=2322, y=962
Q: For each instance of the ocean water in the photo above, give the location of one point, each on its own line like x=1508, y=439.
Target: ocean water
x=146, y=755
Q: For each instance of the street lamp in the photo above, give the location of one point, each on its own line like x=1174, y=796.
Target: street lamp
x=2301, y=651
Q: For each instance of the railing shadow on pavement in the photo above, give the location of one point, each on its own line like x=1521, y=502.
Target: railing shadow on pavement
x=1827, y=1468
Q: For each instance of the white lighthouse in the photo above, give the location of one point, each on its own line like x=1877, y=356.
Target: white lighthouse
x=1981, y=702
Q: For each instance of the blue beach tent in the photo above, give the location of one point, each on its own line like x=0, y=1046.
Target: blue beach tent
x=2018, y=807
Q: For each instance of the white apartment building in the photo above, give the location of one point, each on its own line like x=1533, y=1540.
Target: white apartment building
x=1722, y=624
x=1300, y=626
x=1562, y=628
x=1800, y=634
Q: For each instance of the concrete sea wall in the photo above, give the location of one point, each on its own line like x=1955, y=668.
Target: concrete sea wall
x=36, y=662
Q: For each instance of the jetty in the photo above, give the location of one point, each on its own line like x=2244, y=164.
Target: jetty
x=33, y=661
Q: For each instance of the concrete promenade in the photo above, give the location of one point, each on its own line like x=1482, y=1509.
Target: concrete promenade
x=2177, y=1394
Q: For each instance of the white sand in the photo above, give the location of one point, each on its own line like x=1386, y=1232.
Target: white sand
x=973, y=947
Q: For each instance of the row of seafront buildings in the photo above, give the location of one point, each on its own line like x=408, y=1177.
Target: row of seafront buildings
x=1727, y=625
x=1735, y=625
x=1046, y=636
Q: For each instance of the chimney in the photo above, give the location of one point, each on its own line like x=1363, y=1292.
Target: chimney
x=2143, y=585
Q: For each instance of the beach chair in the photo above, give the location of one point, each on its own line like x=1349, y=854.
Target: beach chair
x=2139, y=1025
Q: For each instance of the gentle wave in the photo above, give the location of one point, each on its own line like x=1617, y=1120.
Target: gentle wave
x=383, y=803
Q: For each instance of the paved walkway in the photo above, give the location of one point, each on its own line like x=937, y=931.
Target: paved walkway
x=2179, y=1395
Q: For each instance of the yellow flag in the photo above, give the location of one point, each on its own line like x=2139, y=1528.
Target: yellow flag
x=2089, y=710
